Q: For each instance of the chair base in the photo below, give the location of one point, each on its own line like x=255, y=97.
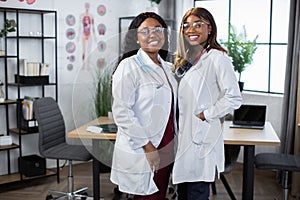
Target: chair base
x=81, y=193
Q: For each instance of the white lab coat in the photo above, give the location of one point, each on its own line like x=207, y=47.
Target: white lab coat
x=141, y=108
x=209, y=86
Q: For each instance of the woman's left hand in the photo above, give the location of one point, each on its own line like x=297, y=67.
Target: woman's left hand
x=152, y=156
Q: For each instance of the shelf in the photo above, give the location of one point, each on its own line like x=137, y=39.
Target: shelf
x=8, y=101
x=30, y=37
x=8, y=56
x=20, y=131
x=28, y=85
x=29, y=11
x=15, y=177
x=7, y=147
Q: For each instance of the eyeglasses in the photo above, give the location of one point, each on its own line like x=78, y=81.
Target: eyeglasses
x=195, y=25
x=147, y=31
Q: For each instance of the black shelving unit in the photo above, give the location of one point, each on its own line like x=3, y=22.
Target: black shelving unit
x=7, y=148
x=14, y=49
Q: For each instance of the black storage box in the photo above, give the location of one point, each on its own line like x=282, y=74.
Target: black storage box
x=30, y=126
x=38, y=80
x=32, y=165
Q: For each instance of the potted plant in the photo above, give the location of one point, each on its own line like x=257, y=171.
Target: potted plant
x=155, y=1
x=241, y=51
x=103, y=98
x=9, y=26
x=154, y=6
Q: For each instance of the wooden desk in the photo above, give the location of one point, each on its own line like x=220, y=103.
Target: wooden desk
x=248, y=138
x=81, y=132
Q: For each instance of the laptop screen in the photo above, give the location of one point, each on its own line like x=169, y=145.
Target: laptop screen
x=250, y=115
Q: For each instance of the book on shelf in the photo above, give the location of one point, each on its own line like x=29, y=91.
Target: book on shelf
x=27, y=107
x=23, y=67
x=33, y=68
x=44, y=69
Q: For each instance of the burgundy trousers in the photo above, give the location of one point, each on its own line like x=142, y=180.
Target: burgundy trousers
x=166, y=153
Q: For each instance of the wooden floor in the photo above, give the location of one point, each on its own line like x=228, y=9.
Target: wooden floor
x=265, y=185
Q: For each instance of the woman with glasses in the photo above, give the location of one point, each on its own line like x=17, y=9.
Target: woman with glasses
x=144, y=101
x=207, y=91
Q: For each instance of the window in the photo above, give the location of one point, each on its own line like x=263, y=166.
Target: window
x=269, y=19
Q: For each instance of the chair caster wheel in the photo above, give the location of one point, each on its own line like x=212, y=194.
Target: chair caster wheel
x=49, y=197
x=85, y=194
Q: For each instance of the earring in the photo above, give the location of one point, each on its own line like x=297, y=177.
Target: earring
x=137, y=42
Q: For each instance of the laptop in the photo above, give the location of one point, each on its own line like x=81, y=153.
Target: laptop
x=249, y=116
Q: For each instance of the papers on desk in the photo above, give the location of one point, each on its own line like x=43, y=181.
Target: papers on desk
x=94, y=129
x=103, y=128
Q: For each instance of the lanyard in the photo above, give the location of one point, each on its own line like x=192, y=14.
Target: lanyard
x=180, y=72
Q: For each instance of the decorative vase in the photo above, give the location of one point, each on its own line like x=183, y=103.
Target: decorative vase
x=2, y=96
x=241, y=86
x=2, y=46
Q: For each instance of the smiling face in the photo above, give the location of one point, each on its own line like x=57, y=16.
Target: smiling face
x=195, y=30
x=150, y=36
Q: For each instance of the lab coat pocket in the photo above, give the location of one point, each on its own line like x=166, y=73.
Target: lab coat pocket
x=212, y=136
x=199, y=130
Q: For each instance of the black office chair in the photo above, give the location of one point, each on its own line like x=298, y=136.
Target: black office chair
x=231, y=155
x=277, y=161
x=53, y=145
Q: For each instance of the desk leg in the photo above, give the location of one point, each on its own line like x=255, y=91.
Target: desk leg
x=248, y=172
x=96, y=172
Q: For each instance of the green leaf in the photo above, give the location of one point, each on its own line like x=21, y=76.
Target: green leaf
x=240, y=49
x=9, y=26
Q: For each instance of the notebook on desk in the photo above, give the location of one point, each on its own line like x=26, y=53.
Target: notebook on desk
x=103, y=128
x=249, y=116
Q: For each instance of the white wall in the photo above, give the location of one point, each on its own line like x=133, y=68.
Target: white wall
x=75, y=87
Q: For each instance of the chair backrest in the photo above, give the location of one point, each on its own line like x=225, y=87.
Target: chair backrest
x=50, y=122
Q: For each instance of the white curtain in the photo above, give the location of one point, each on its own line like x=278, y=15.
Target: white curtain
x=290, y=134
